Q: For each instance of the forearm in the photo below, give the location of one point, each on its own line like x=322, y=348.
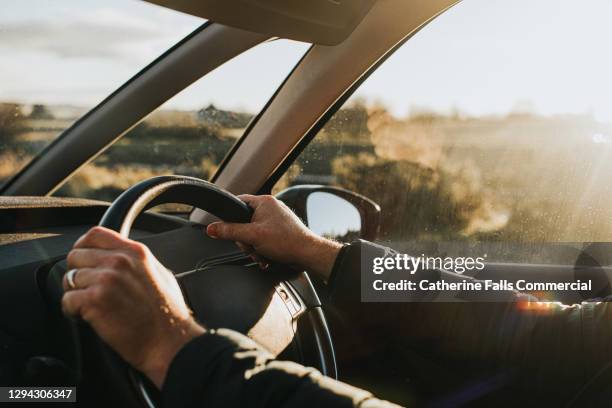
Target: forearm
x=226, y=369
x=319, y=255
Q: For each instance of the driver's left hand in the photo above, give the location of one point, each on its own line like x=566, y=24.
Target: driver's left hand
x=130, y=299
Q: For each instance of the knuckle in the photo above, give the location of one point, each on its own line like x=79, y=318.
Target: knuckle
x=98, y=295
x=109, y=278
x=90, y=238
x=66, y=304
x=118, y=261
x=139, y=249
x=71, y=258
x=95, y=232
x=268, y=199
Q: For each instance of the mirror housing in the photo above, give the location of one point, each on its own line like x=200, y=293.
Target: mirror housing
x=299, y=197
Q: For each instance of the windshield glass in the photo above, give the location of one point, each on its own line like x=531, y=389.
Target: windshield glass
x=193, y=131
x=59, y=59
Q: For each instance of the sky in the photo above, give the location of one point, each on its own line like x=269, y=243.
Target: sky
x=497, y=56
x=78, y=51
x=481, y=57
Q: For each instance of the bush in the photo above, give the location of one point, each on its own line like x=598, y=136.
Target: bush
x=402, y=187
x=11, y=120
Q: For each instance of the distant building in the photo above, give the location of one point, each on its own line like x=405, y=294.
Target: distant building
x=40, y=112
x=222, y=118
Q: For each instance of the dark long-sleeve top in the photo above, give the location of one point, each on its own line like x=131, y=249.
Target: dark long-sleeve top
x=223, y=368
x=560, y=346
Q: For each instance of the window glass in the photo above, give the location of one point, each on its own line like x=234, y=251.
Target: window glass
x=60, y=58
x=192, y=132
x=491, y=126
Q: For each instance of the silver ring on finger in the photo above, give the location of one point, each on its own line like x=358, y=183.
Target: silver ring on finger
x=70, y=278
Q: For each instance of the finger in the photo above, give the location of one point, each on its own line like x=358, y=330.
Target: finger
x=91, y=258
x=247, y=249
x=232, y=231
x=86, y=277
x=252, y=200
x=102, y=238
x=79, y=279
x=73, y=301
x=247, y=197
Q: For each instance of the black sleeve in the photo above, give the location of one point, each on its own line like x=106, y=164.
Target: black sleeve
x=346, y=279
x=516, y=332
x=344, y=284
x=226, y=369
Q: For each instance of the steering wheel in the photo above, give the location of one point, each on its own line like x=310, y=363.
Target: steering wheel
x=223, y=287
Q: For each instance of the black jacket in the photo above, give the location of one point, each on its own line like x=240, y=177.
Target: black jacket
x=226, y=369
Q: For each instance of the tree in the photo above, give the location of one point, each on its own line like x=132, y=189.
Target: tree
x=11, y=119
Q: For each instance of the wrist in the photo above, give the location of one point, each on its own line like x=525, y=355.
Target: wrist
x=158, y=361
x=320, y=256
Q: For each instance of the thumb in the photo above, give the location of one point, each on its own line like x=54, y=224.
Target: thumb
x=231, y=231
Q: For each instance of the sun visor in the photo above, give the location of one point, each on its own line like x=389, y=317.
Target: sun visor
x=325, y=22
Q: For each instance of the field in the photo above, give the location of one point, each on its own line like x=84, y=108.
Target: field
x=516, y=178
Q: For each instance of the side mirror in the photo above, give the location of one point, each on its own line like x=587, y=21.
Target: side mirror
x=334, y=212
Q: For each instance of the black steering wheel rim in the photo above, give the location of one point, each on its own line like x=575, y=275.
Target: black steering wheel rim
x=120, y=217
x=122, y=213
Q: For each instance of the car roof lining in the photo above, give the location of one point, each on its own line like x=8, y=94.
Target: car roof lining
x=326, y=22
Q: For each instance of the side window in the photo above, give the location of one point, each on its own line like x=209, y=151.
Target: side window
x=491, y=127
x=192, y=132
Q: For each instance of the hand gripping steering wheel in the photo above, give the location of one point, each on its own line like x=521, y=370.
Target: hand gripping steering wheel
x=224, y=289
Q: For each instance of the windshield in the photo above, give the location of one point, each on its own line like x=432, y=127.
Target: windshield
x=193, y=131
x=59, y=59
